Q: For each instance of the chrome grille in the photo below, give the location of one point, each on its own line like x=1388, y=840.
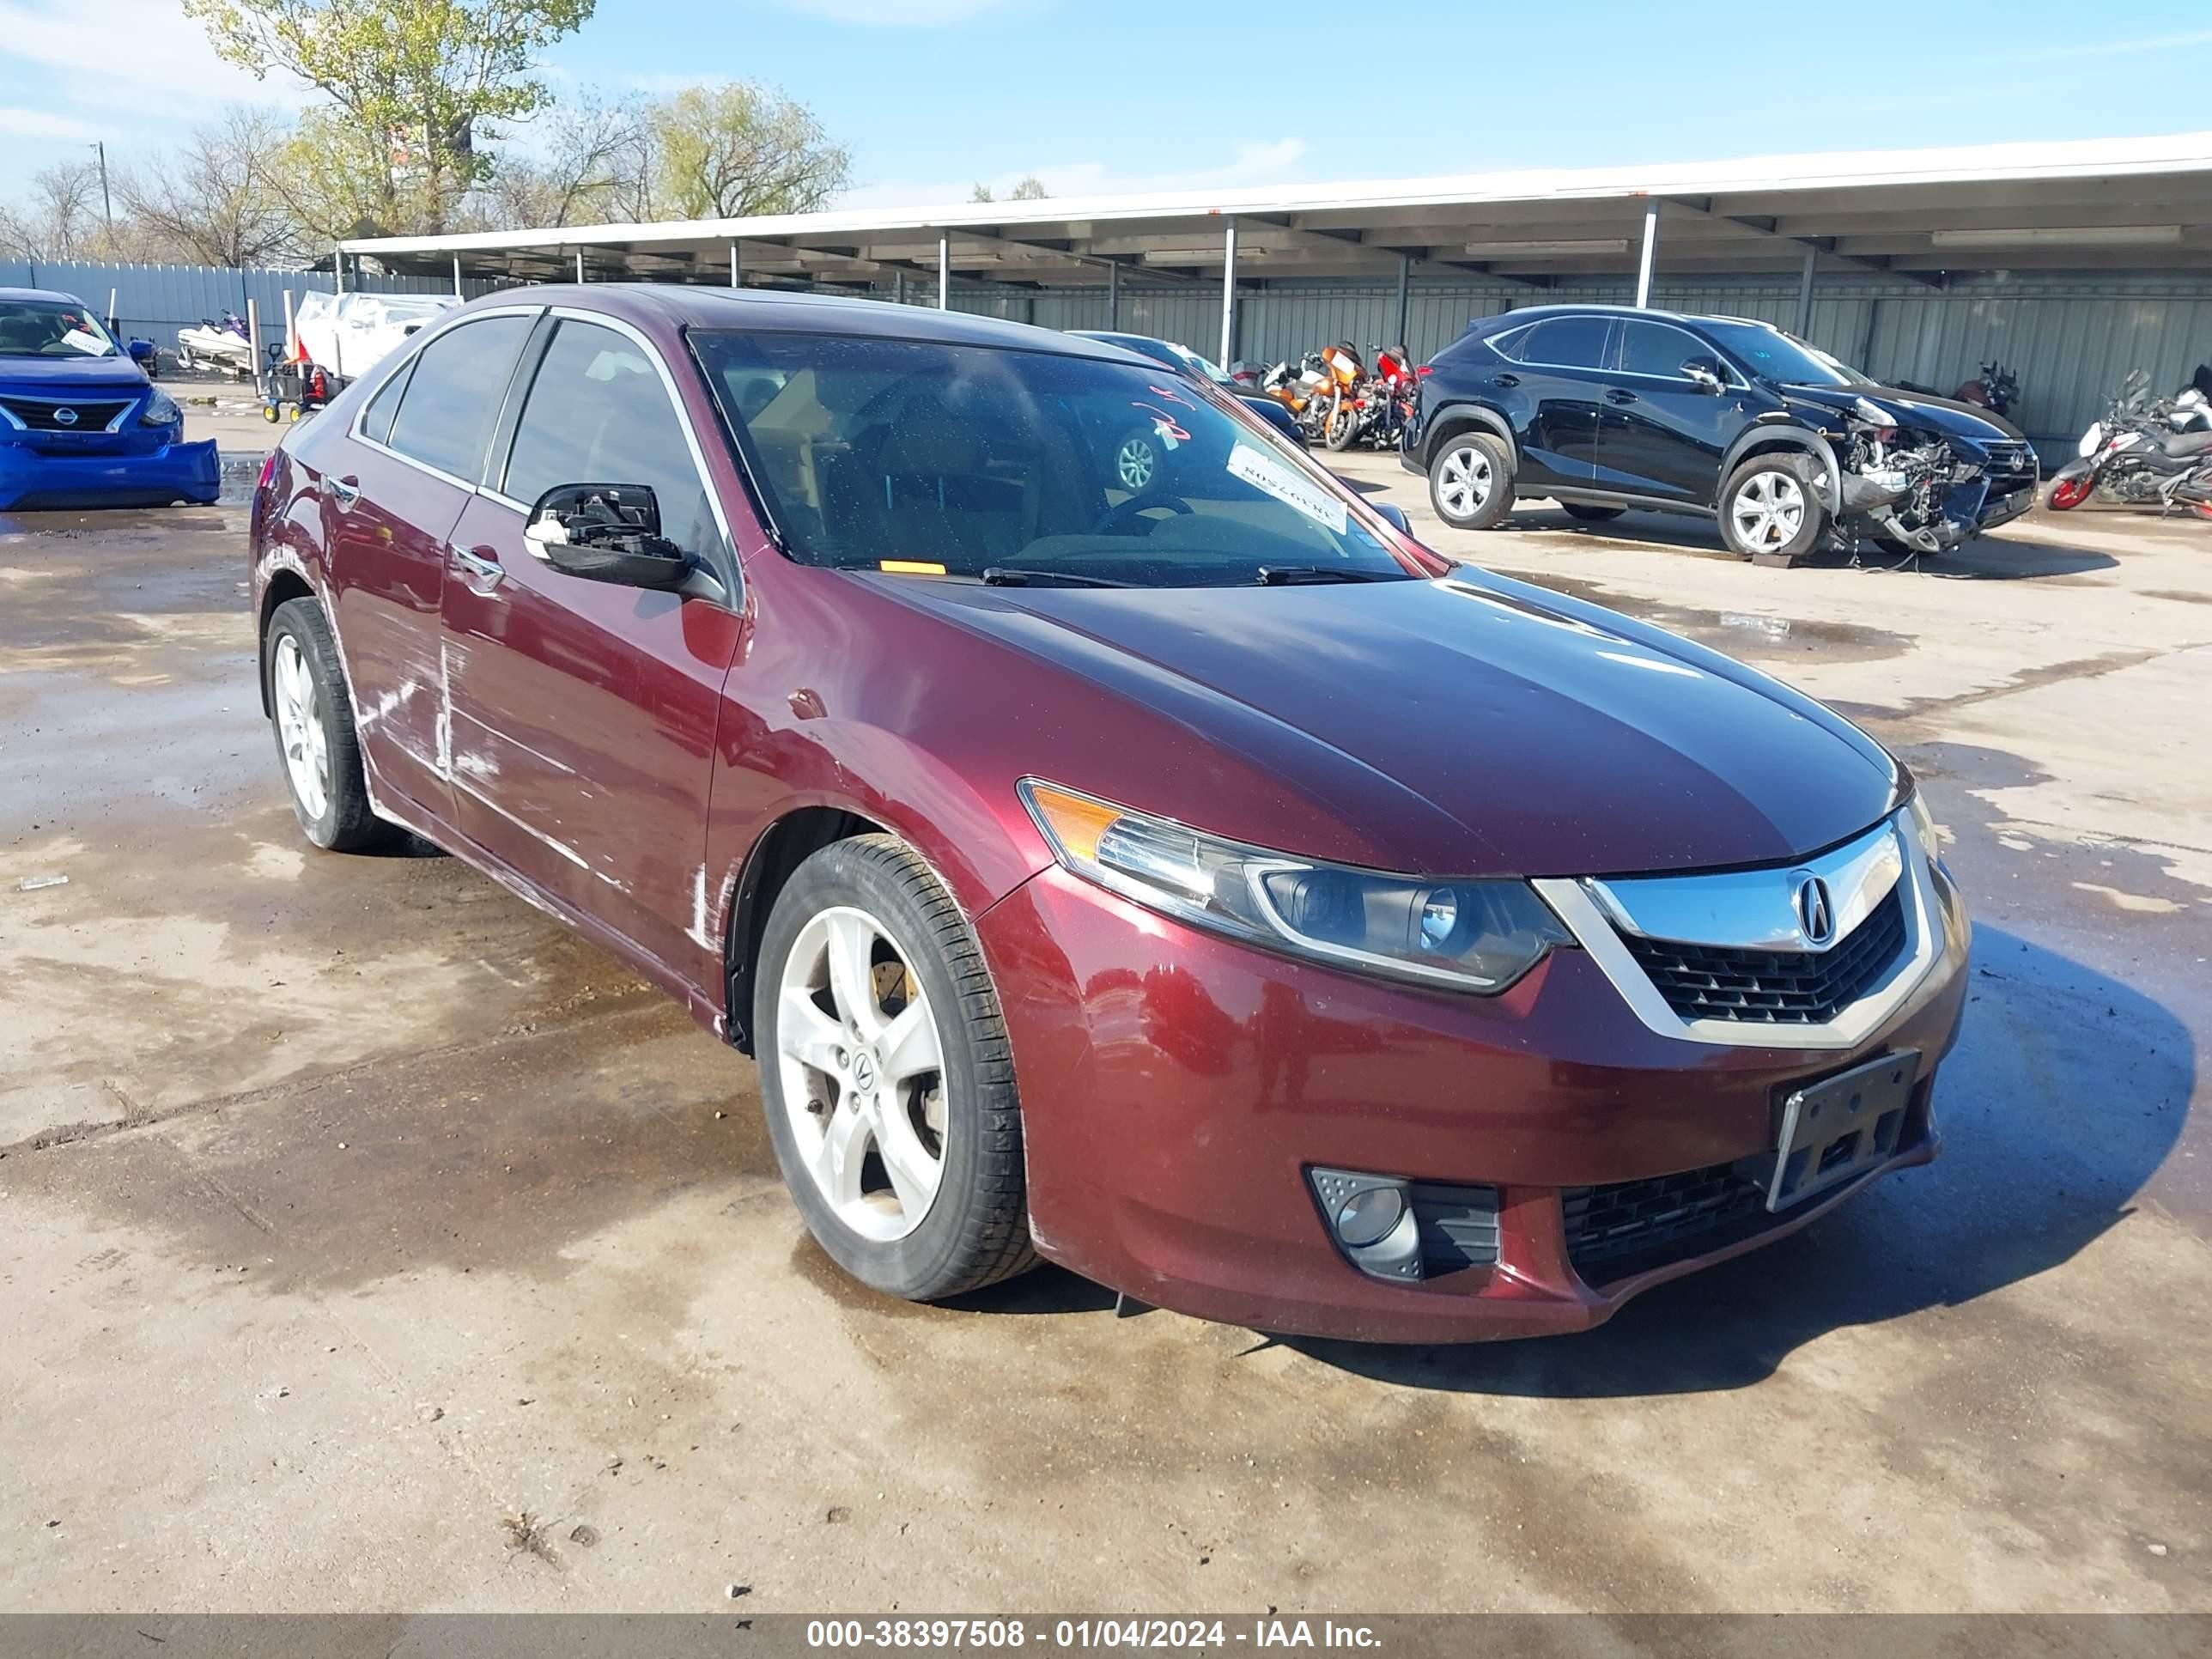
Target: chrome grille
x=43, y=415
x=1781, y=988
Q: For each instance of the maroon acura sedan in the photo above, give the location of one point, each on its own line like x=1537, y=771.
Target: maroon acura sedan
x=1117, y=842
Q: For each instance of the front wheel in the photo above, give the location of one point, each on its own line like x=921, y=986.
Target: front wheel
x=887, y=1076
x=1769, y=512
x=1470, y=482
x=2069, y=493
x=1343, y=423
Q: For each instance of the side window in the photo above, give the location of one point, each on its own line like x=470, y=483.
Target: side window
x=376, y=424
x=453, y=397
x=597, y=413
x=1509, y=344
x=1566, y=342
x=1654, y=348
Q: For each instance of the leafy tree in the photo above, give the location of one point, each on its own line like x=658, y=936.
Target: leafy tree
x=738, y=148
x=981, y=193
x=418, y=86
x=1030, y=189
x=220, y=201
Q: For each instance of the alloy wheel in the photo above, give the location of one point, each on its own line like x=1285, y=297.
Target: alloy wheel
x=1135, y=464
x=862, y=1073
x=300, y=727
x=1465, y=482
x=1768, y=511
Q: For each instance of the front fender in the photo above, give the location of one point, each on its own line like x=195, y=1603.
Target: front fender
x=2081, y=468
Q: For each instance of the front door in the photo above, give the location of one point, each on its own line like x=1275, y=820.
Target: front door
x=391, y=495
x=1659, y=434
x=583, y=712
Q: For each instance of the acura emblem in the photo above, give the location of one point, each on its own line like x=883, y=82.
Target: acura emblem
x=65, y=417
x=1816, y=917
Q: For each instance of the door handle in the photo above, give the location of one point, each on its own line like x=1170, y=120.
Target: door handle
x=1506, y=380
x=479, y=566
x=345, y=492
x=1619, y=396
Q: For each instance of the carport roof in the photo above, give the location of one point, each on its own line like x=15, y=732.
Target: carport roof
x=2133, y=203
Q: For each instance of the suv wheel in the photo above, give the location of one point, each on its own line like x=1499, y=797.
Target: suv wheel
x=887, y=1077
x=1770, y=512
x=1470, y=484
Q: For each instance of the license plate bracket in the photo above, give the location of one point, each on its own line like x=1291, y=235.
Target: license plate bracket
x=1836, y=1128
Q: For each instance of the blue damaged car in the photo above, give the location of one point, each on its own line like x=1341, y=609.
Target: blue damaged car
x=80, y=423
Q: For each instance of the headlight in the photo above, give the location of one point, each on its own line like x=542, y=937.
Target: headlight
x=1924, y=829
x=1871, y=414
x=1477, y=936
x=160, y=411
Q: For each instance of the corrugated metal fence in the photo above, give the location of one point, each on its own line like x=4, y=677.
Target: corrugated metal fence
x=2070, y=338
x=157, y=300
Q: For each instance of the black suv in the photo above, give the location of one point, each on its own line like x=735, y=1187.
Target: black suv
x=1604, y=408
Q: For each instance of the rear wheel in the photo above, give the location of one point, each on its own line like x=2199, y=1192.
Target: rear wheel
x=1589, y=515
x=2069, y=493
x=1769, y=512
x=887, y=1076
x=1470, y=483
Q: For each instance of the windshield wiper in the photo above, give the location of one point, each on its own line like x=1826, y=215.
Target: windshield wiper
x=1000, y=575
x=1288, y=575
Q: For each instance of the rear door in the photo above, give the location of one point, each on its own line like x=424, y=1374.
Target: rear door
x=390, y=497
x=1660, y=435
x=1553, y=381
x=583, y=712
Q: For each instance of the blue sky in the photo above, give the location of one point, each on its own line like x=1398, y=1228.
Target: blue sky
x=932, y=95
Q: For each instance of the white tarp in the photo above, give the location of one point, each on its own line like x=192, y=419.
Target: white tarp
x=350, y=333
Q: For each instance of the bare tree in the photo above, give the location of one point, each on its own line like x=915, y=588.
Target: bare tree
x=594, y=165
x=737, y=149
x=61, y=218
x=221, y=200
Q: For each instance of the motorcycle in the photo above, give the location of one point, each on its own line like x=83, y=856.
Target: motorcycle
x=1378, y=407
x=1305, y=391
x=1995, y=392
x=220, y=345
x=2143, y=452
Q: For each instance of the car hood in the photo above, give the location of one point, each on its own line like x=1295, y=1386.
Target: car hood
x=1470, y=725
x=1947, y=416
x=62, y=376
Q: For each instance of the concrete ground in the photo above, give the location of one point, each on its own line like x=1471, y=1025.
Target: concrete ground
x=368, y=1242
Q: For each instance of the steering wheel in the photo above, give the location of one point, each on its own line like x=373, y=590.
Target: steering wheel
x=1121, y=520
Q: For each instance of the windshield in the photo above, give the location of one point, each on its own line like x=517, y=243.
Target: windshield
x=1030, y=466
x=51, y=328
x=1782, y=358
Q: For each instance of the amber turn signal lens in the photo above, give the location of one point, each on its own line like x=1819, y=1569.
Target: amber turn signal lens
x=1076, y=821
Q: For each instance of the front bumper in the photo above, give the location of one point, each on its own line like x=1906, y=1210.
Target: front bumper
x=126, y=474
x=1178, y=1087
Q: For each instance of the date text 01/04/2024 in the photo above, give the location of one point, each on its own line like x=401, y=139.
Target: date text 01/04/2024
x=1084, y=1633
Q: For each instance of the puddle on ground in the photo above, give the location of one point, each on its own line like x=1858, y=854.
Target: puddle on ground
x=1746, y=634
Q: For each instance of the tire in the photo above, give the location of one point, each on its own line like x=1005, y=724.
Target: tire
x=1589, y=515
x=2068, y=494
x=1471, y=481
x=310, y=713
x=1770, y=511
x=1337, y=429
x=1139, y=461
x=956, y=1217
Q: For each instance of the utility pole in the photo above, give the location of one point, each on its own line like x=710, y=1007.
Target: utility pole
x=106, y=207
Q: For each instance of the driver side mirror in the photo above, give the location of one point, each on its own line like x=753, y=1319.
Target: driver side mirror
x=606, y=532
x=1704, y=374
x=1396, y=514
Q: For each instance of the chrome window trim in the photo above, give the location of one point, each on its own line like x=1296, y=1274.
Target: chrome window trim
x=400, y=359
x=131, y=400
x=1599, y=367
x=1729, y=378
x=1576, y=904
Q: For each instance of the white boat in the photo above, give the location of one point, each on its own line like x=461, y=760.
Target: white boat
x=346, y=335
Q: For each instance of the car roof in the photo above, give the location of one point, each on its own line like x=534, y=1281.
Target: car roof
x=767, y=311
x=51, y=294
x=1536, y=313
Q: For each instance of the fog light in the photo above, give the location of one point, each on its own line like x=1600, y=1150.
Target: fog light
x=1367, y=1217
x=1372, y=1220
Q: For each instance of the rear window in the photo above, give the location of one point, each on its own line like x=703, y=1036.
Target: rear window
x=454, y=397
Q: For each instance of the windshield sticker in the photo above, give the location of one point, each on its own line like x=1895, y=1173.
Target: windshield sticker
x=91, y=345
x=1301, y=495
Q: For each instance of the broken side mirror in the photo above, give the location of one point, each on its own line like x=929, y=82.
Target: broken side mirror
x=606, y=532
x=1703, y=373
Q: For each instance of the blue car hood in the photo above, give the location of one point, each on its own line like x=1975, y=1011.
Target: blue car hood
x=63, y=377
x=1947, y=416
